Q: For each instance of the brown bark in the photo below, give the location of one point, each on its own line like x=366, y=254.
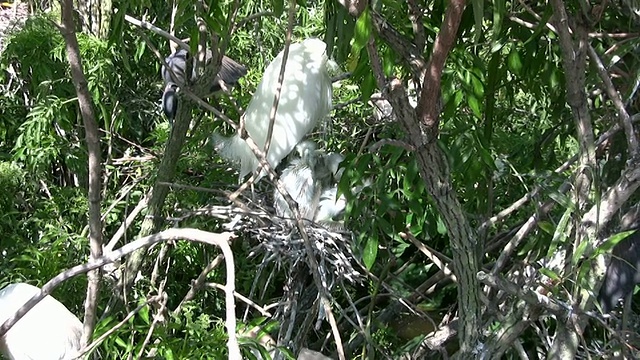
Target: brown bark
x=421, y=127
x=93, y=147
x=574, y=52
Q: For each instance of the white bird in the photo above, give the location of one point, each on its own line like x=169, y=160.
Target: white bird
x=301, y=182
x=306, y=179
x=331, y=207
x=49, y=331
x=305, y=99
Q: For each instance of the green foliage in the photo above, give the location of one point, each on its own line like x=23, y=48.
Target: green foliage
x=12, y=180
x=505, y=128
x=392, y=200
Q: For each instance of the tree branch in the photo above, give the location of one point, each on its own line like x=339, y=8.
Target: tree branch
x=93, y=148
x=428, y=109
x=220, y=240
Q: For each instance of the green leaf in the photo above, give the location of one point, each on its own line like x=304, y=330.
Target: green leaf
x=547, y=227
x=144, y=314
x=549, y=273
x=361, y=36
x=499, y=12
x=478, y=15
x=442, y=228
x=475, y=105
x=278, y=7
x=612, y=241
x=579, y=251
x=140, y=50
x=514, y=62
x=486, y=158
x=368, y=87
x=363, y=29
x=370, y=252
x=121, y=342
x=168, y=354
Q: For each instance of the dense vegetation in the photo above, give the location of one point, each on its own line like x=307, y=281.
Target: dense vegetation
x=525, y=174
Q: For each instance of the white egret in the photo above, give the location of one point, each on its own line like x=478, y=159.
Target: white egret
x=301, y=182
x=304, y=100
x=49, y=331
x=331, y=208
x=228, y=74
x=306, y=179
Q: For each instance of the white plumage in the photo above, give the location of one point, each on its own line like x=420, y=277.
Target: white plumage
x=308, y=354
x=306, y=179
x=301, y=182
x=49, y=331
x=330, y=207
x=304, y=100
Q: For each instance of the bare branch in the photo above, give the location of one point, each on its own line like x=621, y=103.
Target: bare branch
x=245, y=299
x=195, y=235
x=198, y=283
x=428, y=108
x=92, y=139
x=623, y=115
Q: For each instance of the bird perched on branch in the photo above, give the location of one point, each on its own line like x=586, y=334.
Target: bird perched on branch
x=49, y=331
x=304, y=100
x=623, y=272
x=229, y=73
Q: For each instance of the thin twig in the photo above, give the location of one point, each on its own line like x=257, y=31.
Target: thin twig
x=198, y=282
x=116, y=327
x=245, y=299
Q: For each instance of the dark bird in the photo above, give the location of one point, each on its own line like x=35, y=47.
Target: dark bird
x=622, y=274
x=228, y=75
x=170, y=101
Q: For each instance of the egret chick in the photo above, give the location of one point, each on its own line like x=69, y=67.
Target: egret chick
x=49, y=331
x=331, y=208
x=307, y=178
x=304, y=100
x=301, y=182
